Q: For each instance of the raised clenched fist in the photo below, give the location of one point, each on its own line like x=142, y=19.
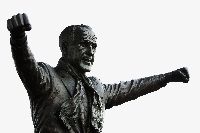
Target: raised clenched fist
x=18, y=24
x=179, y=75
x=183, y=74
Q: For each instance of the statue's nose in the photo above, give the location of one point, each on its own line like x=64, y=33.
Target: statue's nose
x=90, y=50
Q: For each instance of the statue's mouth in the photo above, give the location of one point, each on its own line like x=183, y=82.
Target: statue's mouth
x=88, y=60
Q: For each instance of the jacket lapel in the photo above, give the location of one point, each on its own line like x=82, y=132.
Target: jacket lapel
x=96, y=85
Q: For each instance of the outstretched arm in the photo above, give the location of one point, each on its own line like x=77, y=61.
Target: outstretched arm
x=116, y=94
x=32, y=74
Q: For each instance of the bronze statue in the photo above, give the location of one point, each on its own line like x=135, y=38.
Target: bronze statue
x=63, y=99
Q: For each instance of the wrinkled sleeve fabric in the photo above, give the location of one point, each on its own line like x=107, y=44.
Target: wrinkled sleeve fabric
x=116, y=94
x=35, y=76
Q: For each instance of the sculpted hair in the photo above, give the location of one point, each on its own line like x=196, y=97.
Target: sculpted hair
x=70, y=35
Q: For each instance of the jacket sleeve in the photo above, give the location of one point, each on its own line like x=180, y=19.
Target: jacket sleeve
x=116, y=94
x=34, y=76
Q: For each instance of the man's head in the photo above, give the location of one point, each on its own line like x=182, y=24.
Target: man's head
x=78, y=46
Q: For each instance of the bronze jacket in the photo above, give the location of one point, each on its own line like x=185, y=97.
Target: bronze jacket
x=51, y=103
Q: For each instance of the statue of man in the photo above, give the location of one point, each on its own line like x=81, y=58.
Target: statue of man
x=63, y=99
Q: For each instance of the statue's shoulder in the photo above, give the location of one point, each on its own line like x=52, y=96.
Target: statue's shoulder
x=94, y=79
x=47, y=68
x=44, y=65
x=52, y=72
x=97, y=85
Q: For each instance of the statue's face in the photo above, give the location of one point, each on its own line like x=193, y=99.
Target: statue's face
x=81, y=54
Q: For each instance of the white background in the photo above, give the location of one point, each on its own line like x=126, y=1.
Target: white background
x=135, y=39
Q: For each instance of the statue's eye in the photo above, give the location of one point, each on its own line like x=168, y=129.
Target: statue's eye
x=82, y=44
x=94, y=45
x=88, y=44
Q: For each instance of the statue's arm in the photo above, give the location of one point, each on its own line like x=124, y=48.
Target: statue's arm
x=116, y=94
x=32, y=74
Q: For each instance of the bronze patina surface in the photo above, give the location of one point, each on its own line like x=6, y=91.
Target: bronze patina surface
x=62, y=98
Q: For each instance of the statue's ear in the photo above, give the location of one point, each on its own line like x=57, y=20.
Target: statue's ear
x=64, y=48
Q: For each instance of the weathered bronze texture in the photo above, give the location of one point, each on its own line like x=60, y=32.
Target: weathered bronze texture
x=63, y=99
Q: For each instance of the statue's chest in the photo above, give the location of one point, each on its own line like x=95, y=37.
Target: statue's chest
x=76, y=109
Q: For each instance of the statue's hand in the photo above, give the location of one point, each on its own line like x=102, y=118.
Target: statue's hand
x=18, y=24
x=183, y=74
x=179, y=75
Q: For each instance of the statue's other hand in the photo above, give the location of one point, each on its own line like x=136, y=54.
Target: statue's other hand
x=18, y=24
x=181, y=75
